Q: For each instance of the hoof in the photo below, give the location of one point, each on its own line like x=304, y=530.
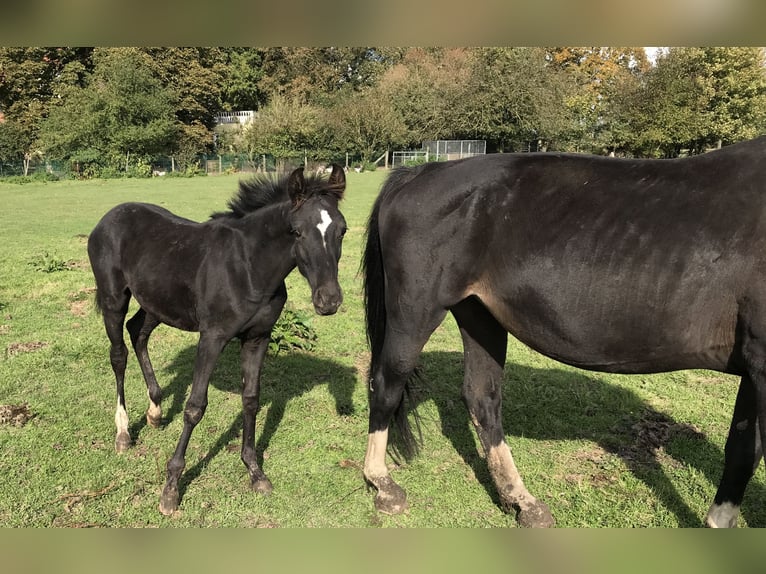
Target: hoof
x=122, y=442
x=154, y=422
x=537, y=515
x=169, y=501
x=391, y=498
x=262, y=486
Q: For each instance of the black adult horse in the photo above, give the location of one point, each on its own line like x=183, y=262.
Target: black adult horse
x=614, y=265
x=223, y=278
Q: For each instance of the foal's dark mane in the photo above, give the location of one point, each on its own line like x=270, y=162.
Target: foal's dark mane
x=263, y=190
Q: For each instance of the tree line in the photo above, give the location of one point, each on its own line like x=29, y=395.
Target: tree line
x=113, y=110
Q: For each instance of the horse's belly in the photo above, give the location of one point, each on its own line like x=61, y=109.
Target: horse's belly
x=601, y=335
x=171, y=309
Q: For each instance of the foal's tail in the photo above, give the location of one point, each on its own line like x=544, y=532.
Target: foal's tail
x=375, y=304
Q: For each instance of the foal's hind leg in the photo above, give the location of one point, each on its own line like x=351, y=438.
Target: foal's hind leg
x=484, y=342
x=114, y=317
x=140, y=326
x=742, y=456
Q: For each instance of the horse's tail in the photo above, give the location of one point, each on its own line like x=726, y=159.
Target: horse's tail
x=98, y=304
x=373, y=272
x=98, y=294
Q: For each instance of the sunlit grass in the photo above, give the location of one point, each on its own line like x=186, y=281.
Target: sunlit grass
x=601, y=450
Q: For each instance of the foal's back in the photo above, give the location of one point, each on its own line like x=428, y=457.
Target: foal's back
x=146, y=251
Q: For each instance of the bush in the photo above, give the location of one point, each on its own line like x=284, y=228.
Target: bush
x=47, y=263
x=35, y=177
x=293, y=330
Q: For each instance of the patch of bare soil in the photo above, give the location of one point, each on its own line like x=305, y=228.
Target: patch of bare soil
x=79, y=308
x=18, y=348
x=652, y=433
x=16, y=415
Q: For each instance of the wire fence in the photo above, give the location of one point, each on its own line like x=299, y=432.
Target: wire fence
x=159, y=166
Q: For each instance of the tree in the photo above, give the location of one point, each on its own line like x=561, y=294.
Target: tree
x=122, y=112
x=241, y=89
x=428, y=89
x=29, y=78
x=312, y=74
x=601, y=77
x=286, y=128
x=194, y=79
x=363, y=123
x=695, y=99
x=737, y=92
x=517, y=97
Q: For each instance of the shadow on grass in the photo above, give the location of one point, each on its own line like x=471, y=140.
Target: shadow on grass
x=557, y=404
x=284, y=376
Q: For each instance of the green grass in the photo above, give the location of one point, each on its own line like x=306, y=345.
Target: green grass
x=601, y=450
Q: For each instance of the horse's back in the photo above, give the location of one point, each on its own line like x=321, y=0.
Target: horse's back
x=625, y=265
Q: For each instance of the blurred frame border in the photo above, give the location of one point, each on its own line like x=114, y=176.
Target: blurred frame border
x=393, y=23
x=396, y=22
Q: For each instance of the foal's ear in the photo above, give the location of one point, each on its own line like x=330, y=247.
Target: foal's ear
x=296, y=187
x=338, y=180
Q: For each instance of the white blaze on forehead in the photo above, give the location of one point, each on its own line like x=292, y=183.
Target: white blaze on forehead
x=323, y=225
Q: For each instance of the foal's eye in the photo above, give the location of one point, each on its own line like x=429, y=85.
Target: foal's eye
x=296, y=232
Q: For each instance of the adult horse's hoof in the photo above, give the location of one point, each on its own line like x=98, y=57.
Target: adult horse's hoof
x=262, y=486
x=537, y=515
x=169, y=501
x=391, y=498
x=122, y=442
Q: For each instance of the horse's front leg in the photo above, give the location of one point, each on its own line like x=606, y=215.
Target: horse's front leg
x=252, y=354
x=208, y=350
x=484, y=341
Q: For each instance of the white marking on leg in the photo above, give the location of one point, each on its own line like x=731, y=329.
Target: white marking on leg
x=122, y=438
x=322, y=227
x=121, y=419
x=375, y=459
x=154, y=412
x=722, y=515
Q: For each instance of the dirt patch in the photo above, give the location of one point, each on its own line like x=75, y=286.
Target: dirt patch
x=5, y=329
x=79, y=308
x=82, y=294
x=18, y=348
x=16, y=415
x=652, y=433
x=78, y=264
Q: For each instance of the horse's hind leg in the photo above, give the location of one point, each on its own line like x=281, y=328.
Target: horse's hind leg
x=390, y=371
x=140, y=326
x=742, y=456
x=484, y=343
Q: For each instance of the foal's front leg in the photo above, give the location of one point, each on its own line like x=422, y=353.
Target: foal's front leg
x=252, y=354
x=208, y=350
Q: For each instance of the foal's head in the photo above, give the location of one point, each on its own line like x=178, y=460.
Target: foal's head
x=318, y=227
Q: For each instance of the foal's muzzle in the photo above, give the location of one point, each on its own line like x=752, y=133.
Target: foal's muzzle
x=327, y=299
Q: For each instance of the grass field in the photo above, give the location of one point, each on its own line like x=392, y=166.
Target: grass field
x=601, y=450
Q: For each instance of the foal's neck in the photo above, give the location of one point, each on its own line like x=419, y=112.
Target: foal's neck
x=268, y=224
